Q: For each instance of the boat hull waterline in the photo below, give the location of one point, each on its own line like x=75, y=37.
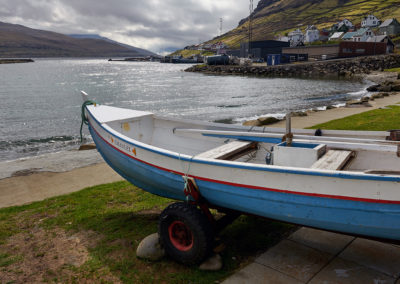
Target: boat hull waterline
x=320, y=199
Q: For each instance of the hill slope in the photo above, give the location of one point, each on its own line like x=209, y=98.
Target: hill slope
x=273, y=17
x=141, y=51
x=20, y=41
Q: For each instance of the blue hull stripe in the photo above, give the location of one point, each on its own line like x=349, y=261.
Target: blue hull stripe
x=362, y=218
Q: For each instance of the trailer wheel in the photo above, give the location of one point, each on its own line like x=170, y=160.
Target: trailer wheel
x=186, y=233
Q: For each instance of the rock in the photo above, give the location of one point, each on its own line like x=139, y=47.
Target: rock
x=214, y=263
x=386, y=88
x=353, y=102
x=377, y=96
x=373, y=88
x=364, y=99
x=87, y=147
x=267, y=120
x=298, y=113
x=330, y=107
x=150, y=248
x=358, y=103
x=398, y=76
x=252, y=123
x=396, y=87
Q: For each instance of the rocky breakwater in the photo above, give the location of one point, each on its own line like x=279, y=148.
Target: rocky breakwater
x=378, y=91
x=347, y=67
x=9, y=61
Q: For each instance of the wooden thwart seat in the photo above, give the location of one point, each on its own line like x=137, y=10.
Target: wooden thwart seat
x=229, y=151
x=333, y=160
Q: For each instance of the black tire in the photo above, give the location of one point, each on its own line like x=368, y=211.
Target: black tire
x=186, y=233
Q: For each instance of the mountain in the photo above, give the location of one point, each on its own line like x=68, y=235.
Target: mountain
x=142, y=51
x=20, y=41
x=274, y=17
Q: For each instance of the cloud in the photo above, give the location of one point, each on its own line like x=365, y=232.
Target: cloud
x=152, y=24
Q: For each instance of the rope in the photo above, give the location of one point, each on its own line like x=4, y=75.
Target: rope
x=83, y=116
x=186, y=174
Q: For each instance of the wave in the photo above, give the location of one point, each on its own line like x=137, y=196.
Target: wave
x=34, y=141
x=14, y=149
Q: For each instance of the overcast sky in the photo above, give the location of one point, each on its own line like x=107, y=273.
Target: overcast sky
x=157, y=25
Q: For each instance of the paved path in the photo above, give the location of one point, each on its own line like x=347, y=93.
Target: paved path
x=314, y=256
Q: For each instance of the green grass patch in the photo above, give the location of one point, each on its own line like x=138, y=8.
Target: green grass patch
x=373, y=120
x=114, y=218
x=393, y=70
x=7, y=259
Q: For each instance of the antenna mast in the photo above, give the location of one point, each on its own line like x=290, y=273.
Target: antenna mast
x=220, y=26
x=250, y=26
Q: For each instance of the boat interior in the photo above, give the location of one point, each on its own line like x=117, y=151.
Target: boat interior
x=371, y=154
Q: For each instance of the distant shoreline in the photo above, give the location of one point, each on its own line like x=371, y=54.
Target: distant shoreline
x=11, y=61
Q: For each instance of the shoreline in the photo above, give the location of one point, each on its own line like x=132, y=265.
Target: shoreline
x=36, y=178
x=318, y=117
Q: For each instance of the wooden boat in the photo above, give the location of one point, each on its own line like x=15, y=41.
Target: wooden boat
x=343, y=181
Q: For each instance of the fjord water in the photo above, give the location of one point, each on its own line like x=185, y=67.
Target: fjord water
x=41, y=103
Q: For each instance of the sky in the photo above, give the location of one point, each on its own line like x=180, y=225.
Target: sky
x=157, y=25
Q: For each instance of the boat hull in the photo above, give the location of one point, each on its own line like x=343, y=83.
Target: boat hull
x=352, y=215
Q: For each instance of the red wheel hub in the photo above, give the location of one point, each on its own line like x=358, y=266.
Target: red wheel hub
x=180, y=235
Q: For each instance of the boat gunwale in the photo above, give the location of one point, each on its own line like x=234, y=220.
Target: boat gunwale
x=242, y=165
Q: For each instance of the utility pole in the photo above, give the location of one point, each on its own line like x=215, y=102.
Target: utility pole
x=250, y=27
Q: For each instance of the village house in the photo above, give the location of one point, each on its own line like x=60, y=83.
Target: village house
x=348, y=36
x=343, y=26
x=390, y=27
x=336, y=36
x=283, y=38
x=296, y=37
x=363, y=34
x=312, y=34
x=347, y=23
x=370, y=21
x=383, y=38
x=324, y=35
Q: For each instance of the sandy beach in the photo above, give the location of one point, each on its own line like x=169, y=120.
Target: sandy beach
x=32, y=179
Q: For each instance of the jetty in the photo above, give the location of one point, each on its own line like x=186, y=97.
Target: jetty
x=344, y=67
x=9, y=61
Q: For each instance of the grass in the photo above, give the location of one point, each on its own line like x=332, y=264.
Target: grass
x=373, y=120
x=188, y=53
x=393, y=70
x=116, y=217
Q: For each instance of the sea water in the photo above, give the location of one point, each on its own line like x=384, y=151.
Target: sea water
x=40, y=102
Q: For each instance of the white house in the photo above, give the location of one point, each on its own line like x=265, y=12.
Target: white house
x=363, y=34
x=346, y=23
x=312, y=34
x=283, y=38
x=370, y=21
x=296, y=37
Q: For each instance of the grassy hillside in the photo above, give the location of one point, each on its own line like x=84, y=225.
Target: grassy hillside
x=20, y=41
x=273, y=17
